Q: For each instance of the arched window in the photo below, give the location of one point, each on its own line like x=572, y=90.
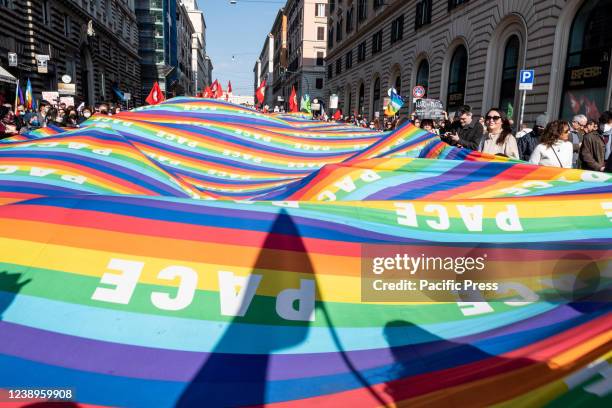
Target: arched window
x=349, y=105
x=508, y=78
x=422, y=76
x=588, y=61
x=398, y=83
x=360, y=101
x=376, y=97
x=456, y=78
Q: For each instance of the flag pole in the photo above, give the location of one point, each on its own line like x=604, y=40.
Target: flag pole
x=16, y=96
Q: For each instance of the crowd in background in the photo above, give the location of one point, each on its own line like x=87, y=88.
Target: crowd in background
x=578, y=143
x=21, y=120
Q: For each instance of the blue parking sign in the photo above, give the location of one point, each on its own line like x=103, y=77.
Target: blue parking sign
x=526, y=78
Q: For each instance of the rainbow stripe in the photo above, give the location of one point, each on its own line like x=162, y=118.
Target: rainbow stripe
x=123, y=244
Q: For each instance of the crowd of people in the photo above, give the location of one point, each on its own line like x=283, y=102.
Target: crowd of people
x=24, y=120
x=580, y=143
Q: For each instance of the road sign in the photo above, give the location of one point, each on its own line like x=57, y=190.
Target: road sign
x=526, y=79
x=333, y=101
x=418, y=91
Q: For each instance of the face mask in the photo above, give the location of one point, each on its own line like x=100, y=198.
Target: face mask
x=606, y=127
x=87, y=114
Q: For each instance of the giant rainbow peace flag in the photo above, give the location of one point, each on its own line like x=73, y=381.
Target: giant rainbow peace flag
x=196, y=253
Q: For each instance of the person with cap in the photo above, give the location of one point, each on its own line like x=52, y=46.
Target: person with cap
x=527, y=144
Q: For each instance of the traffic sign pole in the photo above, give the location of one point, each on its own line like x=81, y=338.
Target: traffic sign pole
x=526, y=79
x=522, y=111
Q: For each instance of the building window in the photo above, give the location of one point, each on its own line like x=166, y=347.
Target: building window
x=46, y=12
x=349, y=19
x=67, y=23
x=320, y=33
x=377, y=42
x=339, y=30
x=332, y=5
x=361, y=52
x=320, y=10
x=320, y=57
x=398, y=84
x=361, y=98
x=397, y=29
x=456, y=78
x=330, y=38
x=454, y=3
x=7, y=3
x=509, y=71
x=423, y=14
x=585, y=88
x=378, y=4
x=362, y=10
x=319, y=83
x=376, y=96
x=422, y=76
x=349, y=59
x=330, y=71
x=338, y=66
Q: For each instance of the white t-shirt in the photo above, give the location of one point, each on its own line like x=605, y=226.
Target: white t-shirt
x=545, y=156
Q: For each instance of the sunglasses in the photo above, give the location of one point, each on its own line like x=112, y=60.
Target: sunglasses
x=495, y=118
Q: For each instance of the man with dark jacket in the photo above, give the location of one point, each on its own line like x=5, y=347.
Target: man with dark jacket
x=469, y=133
x=527, y=144
x=592, y=152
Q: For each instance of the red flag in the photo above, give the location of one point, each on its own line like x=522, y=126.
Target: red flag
x=156, y=95
x=219, y=90
x=261, y=92
x=337, y=115
x=293, y=104
x=229, y=90
x=213, y=89
x=208, y=92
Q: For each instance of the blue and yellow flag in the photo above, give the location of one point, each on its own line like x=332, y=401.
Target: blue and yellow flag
x=395, y=103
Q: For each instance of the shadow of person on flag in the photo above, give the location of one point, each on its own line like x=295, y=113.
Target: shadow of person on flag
x=9, y=288
x=236, y=373
x=419, y=356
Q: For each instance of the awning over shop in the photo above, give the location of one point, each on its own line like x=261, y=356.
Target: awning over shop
x=7, y=77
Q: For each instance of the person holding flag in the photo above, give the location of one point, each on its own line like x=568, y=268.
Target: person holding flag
x=395, y=103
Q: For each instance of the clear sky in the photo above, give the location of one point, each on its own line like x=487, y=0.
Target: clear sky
x=239, y=31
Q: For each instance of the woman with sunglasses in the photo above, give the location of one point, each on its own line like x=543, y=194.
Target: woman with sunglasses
x=498, y=137
x=555, y=149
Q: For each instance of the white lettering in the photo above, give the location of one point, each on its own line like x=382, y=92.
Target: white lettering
x=124, y=283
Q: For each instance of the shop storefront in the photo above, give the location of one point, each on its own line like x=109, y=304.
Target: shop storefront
x=586, y=85
x=7, y=86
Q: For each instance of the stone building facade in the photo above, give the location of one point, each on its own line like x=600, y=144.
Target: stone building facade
x=95, y=42
x=470, y=52
x=293, y=54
